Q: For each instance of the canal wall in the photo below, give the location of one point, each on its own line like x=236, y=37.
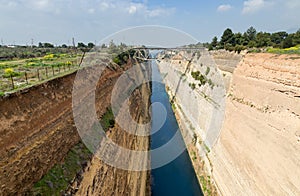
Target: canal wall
x=257, y=152
x=101, y=178
x=37, y=131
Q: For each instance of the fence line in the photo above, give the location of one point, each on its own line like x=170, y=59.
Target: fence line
x=30, y=77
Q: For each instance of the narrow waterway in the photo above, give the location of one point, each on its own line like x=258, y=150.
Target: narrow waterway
x=177, y=177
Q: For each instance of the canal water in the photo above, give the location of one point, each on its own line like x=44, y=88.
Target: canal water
x=177, y=177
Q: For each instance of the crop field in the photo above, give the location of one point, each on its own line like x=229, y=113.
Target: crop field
x=25, y=67
x=28, y=68
x=16, y=74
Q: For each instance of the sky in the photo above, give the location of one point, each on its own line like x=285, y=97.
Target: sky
x=58, y=21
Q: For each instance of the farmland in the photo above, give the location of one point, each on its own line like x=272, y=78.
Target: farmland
x=21, y=72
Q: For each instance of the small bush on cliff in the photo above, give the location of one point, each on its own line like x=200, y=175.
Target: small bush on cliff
x=192, y=85
x=107, y=121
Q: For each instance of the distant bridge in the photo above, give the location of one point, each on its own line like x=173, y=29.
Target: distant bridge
x=166, y=48
x=141, y=48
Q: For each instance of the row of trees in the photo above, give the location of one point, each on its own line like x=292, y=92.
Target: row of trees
x=251, y=38
x=79, y=45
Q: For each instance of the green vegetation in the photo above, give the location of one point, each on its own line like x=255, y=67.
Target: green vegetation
x=206, y=148
x=173, y=105
x=57, y=180
x=108, y=120
x=2, y=93
x=19, y=73
x=207, y=70
x=291, y=50
x=202, y=79
x=205, y=185
x=253, y=39
x=192, y=85
x=194, y=156
x=123, y=57
x=9, y=72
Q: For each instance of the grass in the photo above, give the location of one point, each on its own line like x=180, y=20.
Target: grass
x=292, y=50
x=57, y=180
x=48, y=68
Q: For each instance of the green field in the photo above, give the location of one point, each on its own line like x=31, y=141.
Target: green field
x=20, y=73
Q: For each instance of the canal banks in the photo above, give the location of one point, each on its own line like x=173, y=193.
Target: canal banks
x=176, y=177
x=260, y=126
x=199, y=163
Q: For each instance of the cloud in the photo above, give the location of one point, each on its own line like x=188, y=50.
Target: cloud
x=252, y=6
x=143, y=9
x=132, y=9
x=160, y=12
x=224, y=8
x=136, y=7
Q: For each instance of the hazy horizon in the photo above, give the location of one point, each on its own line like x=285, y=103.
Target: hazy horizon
x=57, y=22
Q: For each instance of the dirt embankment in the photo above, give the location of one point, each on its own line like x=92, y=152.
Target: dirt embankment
x=37, y=129
x=103, y=179
x=258, y=152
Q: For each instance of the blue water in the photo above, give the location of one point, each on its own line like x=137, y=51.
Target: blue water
x=178, y=177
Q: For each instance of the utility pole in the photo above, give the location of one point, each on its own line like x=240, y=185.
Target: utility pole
x=31, y=42
x=2, y=43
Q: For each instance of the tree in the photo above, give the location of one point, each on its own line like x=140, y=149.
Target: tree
x=278, y=37
x=81, y=45
x=296, y=38
x=214, y=42
x=239, y=39
x=288, y=42
x=48, y=45
x=64, y=46
x=103, y=46
x=227, y=38
x=263, y=39
x=251, y=33
x=91, y=45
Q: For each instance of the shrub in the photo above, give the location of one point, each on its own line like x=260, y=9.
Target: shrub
x=192, y=85
x=9, y=72
x=68, y=63
x=207, y=70
x=107, y=121
x=49, y=57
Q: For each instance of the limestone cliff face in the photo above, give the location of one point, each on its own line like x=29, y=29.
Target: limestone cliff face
x=37, y=128
x=258, y=151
